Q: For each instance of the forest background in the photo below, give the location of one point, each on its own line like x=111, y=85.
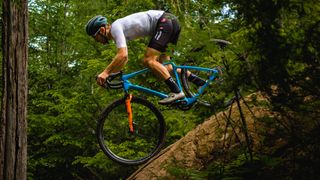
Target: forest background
x=275, y=49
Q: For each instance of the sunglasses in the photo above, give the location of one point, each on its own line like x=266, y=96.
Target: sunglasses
x=104, y=37
x=96, y=33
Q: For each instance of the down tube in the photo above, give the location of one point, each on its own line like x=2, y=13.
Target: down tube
x=146, y=90
x=128, y=85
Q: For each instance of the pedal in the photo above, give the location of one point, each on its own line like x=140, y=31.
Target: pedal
x=183, y=105
x=183, y=102
x=179, y=102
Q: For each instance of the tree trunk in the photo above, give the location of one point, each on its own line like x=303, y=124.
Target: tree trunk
x=13, y=124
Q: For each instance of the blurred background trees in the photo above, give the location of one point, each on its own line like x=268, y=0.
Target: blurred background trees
x=275, y=49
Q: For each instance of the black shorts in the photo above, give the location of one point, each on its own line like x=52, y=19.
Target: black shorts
x=167, y=31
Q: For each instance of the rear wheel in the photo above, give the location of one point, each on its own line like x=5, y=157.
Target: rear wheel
x=191, y=89
x=122, y=145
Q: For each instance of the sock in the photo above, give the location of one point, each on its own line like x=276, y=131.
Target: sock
x=196, y=80
x=172, y=85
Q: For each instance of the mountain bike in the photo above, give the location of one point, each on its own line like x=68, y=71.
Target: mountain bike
x=131, y=130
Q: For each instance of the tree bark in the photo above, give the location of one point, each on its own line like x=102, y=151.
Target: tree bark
x=13, y=124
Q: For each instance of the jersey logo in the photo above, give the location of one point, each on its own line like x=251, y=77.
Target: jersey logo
x=158, y=35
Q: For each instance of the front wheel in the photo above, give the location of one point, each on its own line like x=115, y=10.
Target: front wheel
x=129, y=147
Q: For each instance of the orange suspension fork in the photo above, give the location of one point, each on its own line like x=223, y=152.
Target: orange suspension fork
x=129, y=111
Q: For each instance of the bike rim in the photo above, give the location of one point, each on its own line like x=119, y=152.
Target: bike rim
x=134, y=147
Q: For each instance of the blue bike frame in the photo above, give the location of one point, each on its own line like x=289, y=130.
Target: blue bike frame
x=127, y=85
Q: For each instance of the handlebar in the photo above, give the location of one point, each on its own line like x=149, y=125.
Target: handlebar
x=112, y=82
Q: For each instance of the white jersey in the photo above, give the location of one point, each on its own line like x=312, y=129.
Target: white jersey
x=135, y=26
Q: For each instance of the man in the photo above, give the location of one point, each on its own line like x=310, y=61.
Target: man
x=163, y=28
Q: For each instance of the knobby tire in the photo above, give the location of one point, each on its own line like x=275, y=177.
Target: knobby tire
x=123, y=146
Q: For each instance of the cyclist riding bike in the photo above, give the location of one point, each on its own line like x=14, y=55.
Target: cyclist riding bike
x=162, y=27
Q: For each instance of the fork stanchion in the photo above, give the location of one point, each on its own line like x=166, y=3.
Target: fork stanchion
x=129, y=111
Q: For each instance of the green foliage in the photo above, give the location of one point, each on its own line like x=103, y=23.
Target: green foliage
x=283, y=47
x=104, y=167
x=187, y=173
x=238, y=169
x=274, y=43
x=64, y=100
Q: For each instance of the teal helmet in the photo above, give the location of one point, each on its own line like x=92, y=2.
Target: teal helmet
x=94, y=24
